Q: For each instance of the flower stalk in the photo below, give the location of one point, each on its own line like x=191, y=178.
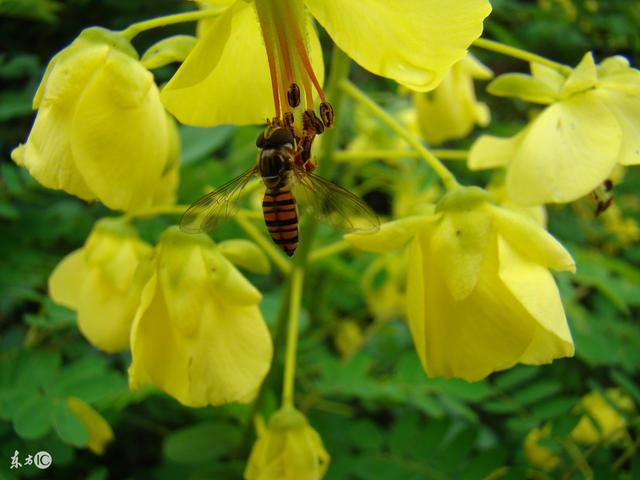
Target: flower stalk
x=136, y=28
x=359, y=96
x=295, y=299
x=520, y=54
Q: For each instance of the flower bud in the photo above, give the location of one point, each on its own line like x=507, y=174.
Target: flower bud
x=100, y=131
x=99, y=430
x=198, y=334
x=289, y=449
x=102, y=281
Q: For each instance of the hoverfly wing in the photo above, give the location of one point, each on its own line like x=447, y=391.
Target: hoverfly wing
x=333, y=204
x=214, y=208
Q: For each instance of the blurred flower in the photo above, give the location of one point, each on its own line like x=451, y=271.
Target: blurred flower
x=198, y=334
x=480, y=297
x=602, y=422
x=348, y=338
x=540, y=456
x=590, y=125
x=254, y=51
x=289, y=449
x=100, y=131
x=100, y=433
x=383, y=286
x=451, y=110
x=102, y=281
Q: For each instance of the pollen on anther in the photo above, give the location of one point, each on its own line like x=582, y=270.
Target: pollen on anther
x=326, y=114
x=293, y=95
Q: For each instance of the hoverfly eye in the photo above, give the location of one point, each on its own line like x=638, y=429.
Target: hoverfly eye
x=260, y=140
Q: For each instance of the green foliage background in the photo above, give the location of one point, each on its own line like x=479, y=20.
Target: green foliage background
x=378, y=414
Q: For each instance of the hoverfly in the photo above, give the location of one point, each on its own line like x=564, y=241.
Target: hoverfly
x=280, y=166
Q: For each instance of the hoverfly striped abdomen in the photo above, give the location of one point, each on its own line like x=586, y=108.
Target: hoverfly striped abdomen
x=281, y=217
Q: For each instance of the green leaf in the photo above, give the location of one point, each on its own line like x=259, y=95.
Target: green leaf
x=197, y=143
x=68, y=425
x=484, y=463
x=536, y=392
x=554, y=407
x=365, y=435
x=627, y=384
x=201, y=443
x=514, y=377
x=32, y=419
x=37, y=368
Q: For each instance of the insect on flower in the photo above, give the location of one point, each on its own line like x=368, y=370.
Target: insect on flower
x=283, y=163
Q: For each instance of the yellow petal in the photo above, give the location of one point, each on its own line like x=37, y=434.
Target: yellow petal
x=522, y=86
x=413, y=42
x=538, y=455
x=100, y=433
x=583, y=77
x=47, y=153
x=168, y=50
x=392, y=235
x=535, y=289
x=490, y=152
x=487, y=331
x=245, y=254
x=626, y=109
x=226, y=77
x=531, y=240
x=119, y=134
x=568, y=150
x=198, y=333
x=67, y=278
x=460, y=241
x=554, y=79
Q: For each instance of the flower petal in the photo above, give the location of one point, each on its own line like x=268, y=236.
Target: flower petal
x=487, y=331
x=627, y=112
x=554, y=79
x=168, y=50
x=460, y=241
x=67, y=278
x=531, y=240
x=568, y=150
x=533, y=285
x=490, y=152
x=391, y=236
x=411, y=41
x=100, y=432
x=226, y=77
x=522, y=86
x=120, y=134
x=583, y=77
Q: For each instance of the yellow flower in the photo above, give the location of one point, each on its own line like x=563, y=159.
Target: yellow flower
x=102, y=282
x=590, y=126
x=540, y=456
x=289, y=449
x=198, y=334
x=255, y=50
x=101, y=131
x=100, y=433
x=610, y=425
x=451, y=110
x=348, y=338
x=480, y=297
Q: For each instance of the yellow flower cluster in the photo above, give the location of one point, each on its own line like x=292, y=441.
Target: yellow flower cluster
x=189, y=316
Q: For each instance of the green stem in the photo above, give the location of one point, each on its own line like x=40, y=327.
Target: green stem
x=295, y=299
x=443, y=154
x=520, y=54
x=363, y=99
x=134, y=29
x=328, y=250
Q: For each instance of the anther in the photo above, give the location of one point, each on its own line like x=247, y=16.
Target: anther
x=326, y=113
x=288, y=120
x=293, y=95
x=318, y=126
